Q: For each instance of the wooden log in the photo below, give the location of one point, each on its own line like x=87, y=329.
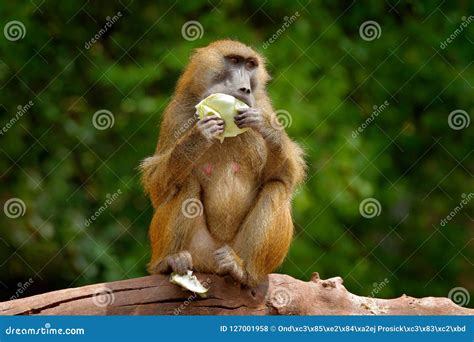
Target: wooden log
x=278, y=295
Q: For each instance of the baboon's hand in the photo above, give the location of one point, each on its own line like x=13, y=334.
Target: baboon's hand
x=180, y=262
x=250, y=117
x=227, y=262
x=211, y=126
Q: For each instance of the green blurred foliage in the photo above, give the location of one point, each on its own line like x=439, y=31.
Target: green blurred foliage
x=324, y=74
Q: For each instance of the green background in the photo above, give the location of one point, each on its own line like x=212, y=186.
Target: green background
x=324, y=74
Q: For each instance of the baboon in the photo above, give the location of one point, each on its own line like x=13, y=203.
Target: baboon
x=240, y=189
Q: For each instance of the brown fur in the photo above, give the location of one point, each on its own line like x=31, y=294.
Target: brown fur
x=249, y=209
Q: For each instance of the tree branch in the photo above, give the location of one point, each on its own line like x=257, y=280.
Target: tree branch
x=278, y=295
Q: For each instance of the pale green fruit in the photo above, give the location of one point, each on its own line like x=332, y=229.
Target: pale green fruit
x=189, y=282
x=224, y=106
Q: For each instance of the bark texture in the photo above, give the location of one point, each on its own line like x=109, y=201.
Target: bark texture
x=278, y=295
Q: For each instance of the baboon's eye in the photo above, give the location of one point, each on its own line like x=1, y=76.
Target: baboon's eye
x=234, y=60
x=251, y=64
